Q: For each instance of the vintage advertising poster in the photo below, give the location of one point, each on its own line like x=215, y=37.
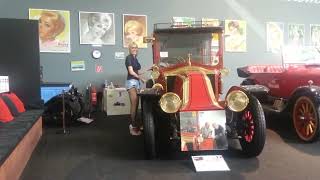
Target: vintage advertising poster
x=96, y=28
x=236, y=34
x=203, y=130
x=54, y=29
x=315, y=34
x=78, y=66
x=183, y=21
x=296, y=34
x=134, y=29
x=275, y=36
x=209, y=22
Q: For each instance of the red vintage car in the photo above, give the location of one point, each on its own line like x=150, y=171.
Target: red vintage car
x=182, y=104
x=290, y=87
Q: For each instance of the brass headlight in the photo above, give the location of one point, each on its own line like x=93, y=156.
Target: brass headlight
x=237, y=101
x=170, y=102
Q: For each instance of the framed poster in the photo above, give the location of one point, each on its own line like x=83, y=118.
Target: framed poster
x=315, y=34
x=296, y=34
x=275, y=36
x=96, y=28
x=54, y=29
x=134, y=29
x=236, y=34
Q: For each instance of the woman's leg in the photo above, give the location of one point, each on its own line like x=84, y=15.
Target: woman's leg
x=134, y=100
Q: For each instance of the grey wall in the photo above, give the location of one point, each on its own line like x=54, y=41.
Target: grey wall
x=255, y=12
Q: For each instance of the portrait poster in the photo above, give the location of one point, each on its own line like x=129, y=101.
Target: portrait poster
x=296, y=34
x=54, y=29
x=209, y=22
x=183, y=21
x=203, y=130
x=275, y=36
x=315, y=34
x=134, y=29
x=96, y=28
x=235, y=36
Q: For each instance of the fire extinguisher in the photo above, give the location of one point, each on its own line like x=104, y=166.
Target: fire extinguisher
x=93, y=95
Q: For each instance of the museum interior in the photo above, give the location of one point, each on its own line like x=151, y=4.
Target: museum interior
x=116, y=90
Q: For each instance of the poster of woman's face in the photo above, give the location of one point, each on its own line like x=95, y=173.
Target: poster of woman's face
x=236, y=33
x=96, y=28
x=296, y=34
x=54, y=29
x=315, y=34
x=134, y=29
x=274, y=36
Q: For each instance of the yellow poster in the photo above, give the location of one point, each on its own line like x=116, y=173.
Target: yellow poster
x=236, y=33
x=54, y=29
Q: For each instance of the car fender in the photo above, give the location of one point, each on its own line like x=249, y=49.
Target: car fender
x=251, y=90
x=313, y=91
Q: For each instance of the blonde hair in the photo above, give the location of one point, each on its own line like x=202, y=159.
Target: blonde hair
x=58, y=20
x=134, y=25
x=94, y=18
x=132, y=44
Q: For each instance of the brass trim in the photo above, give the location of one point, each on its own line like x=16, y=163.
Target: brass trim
x=211, y=93
x=185, y=69
x=157, y=86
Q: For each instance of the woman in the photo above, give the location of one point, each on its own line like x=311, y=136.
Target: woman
x=98, y=25
x=133, y=85
x=133, y=32
x=51, y=24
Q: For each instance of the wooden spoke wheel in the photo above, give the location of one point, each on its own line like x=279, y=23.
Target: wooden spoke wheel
x=306, y=119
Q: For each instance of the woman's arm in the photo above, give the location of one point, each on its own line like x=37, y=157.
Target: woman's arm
x=131, y=72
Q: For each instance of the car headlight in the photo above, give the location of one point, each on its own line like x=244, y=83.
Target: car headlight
x=237, y=101
x=170, y=102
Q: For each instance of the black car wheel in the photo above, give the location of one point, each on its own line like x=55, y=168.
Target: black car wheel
x=305, y=117
x=252, y=128
x=148, y=129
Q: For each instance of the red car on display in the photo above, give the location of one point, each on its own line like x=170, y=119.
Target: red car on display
x=292, y=87
x=182, y=105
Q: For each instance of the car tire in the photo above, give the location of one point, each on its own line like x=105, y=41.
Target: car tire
x=148, y=130
x=308, y=111
x=252, y=129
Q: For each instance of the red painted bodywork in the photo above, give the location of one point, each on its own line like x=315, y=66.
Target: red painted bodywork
x=283, y=81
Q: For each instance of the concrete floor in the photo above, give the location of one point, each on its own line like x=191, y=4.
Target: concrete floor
x=105, y=150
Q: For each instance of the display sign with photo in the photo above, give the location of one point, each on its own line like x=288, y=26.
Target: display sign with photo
x=235, y=36
x=54, y=29
x=274, y=36
x=315, y=34
x=296, y=34
x=203, y=130
x=96, y=28
x=134, y=29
